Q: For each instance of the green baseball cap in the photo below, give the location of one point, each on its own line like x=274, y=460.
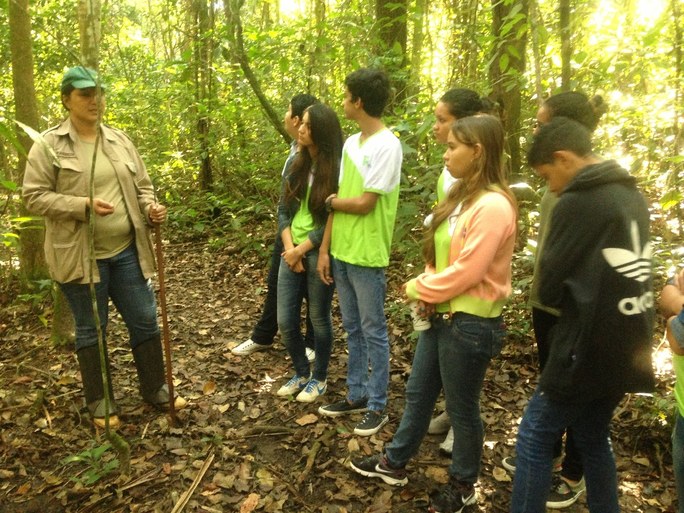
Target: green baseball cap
x=79, y=78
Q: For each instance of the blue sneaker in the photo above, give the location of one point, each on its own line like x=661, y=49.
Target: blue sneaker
x=311, y=391
x=293, y=386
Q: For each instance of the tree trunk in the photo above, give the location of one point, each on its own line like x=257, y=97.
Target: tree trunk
x=31, y=256
x=232, y=9
x=390, y=17
x=417, y=41
x=89, y=14
x=566, y=44
x=203, y=53
x=535, y=21
x=507, y=69
x=463, y=59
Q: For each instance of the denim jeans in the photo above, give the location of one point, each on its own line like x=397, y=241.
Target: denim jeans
x=678, y=459
x=290, y=285
x=543, y=321
x=453, y=354
x=122, y=280
x=361, y=294
x=267, y=326
x=543, y=421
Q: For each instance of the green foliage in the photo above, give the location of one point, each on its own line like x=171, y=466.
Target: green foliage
x=97, y=462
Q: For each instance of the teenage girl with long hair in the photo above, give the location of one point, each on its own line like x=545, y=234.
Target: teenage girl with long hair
x=302, y=216
x=455, y=104
x=468, y=249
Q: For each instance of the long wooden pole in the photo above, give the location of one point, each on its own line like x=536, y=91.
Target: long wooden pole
x=165, y=321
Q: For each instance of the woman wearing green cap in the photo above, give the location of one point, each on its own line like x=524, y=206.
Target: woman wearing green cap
x=56, y=186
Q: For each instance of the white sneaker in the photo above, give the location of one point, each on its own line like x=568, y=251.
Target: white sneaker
x=310, y=354
x=447, y=445
x=312, y=390
x=294, y=385
x=440, y=424
x=248, y=347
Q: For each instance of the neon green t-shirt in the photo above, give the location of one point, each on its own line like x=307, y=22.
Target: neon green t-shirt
x=442, y=240
x=371, y=166
x=303, y=221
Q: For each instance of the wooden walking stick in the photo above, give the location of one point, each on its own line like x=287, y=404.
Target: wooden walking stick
x=165, y=322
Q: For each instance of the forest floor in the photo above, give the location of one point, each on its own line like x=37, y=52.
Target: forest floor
x=243, y=447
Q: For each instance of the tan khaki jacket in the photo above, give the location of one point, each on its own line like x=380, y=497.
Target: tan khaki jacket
x=56, y=186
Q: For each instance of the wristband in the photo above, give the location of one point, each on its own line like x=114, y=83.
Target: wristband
x=328, y=202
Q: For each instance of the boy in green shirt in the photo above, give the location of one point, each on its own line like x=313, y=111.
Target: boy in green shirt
x=358, y=237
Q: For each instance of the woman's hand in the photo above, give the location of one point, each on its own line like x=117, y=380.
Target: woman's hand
x=100, y=207
x=293, y=259
x=157, y=213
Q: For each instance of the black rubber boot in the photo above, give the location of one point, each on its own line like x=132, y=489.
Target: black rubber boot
x=149, y=362
x=93, y=389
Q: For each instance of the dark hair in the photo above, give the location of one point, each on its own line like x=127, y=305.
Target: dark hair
x=560, y=134
x=489, y=174
x=372, y=86
x=578, y=107
x=300, y=102
x=326, y=134
x=462, y=102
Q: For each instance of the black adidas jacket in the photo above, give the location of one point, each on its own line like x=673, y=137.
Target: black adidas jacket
x=596, y=267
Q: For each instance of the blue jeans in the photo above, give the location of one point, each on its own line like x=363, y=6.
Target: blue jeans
x=453, y=354
x=267, y=326
x=361, y=294
x=678, y=459
x=543, y=322
x=122, y=280
x=543, y=421
x=290, y=286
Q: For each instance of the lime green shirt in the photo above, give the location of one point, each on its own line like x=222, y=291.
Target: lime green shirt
x=678, y=365
x=442, y=240
x=303, y=221
x=373, y=165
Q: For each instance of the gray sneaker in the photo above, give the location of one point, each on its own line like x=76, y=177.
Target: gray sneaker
x=446, y=447
x=440, y=424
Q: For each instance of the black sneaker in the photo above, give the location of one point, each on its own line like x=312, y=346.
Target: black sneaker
x=371, y=423
x=563, y=494
x=452, y=498
x=343, y=408
x=378, y=466
x=509, y=463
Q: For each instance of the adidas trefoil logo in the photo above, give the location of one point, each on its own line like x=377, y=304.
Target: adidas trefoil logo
x=635, y=264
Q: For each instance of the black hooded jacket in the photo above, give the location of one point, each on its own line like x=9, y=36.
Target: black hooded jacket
x=596, y=268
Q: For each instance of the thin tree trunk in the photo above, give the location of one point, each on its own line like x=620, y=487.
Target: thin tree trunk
x=232, y=9
x=420, y=16
x=535, y=21
x=390, y=17
x=566, y=44
x=507, y=68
